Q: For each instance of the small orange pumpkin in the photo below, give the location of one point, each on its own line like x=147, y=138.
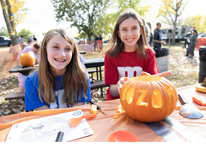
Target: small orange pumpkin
x=148, y=98
x=27, y=59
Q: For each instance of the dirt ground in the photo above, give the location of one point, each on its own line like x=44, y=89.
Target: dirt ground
x=6, y=62
x=185, y=72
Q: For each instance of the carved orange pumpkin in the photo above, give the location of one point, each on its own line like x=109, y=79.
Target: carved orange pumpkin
x=27, y=59
x=148, y=98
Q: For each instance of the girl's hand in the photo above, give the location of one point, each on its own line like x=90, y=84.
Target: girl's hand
x=121, y=82
x=159, y=74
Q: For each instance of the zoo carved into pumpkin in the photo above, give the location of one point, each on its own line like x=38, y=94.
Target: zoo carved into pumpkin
x=148, y=98
x=27, y=59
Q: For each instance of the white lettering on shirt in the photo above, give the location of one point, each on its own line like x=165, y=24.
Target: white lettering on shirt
x=129, y=71
x=59, y=94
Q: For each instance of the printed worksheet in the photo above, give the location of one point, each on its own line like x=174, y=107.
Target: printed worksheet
x=46, y=129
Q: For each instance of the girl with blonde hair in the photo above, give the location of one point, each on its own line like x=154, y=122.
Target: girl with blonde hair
x=61, y=80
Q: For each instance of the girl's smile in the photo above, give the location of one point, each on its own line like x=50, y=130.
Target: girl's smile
x=129, y=33
x=59, y=54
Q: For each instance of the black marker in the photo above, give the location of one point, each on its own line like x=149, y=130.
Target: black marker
x=59, y=136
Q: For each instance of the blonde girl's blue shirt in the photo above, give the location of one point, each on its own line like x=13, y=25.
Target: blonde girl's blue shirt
x=32, y=100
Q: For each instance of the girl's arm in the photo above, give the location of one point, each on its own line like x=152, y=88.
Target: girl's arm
x=111, y=76
x=45, y=107
x=32, y=101
x=79, y=103
x=162, y=42
x=115, y=89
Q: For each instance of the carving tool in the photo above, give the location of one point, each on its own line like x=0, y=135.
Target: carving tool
x=98, y=107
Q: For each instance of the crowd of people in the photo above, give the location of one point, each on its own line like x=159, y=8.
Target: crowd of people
x=98, y=44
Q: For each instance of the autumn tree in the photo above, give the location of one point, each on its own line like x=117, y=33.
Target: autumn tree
x=117, y=7
x=198, y=21
x=25, y=33
x=83, y=14
x=14, y=13
x=171, y=11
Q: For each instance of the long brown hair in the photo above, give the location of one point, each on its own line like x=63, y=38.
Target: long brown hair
x=116, y=46
x=74, y=78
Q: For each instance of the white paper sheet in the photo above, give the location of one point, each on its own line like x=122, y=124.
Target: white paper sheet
x=46, y=129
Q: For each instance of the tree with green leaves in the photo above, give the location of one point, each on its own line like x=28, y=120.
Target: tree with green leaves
x=83, y=14
x=14, y=13
x=108, y=21
x=25, y=33
x=198, y=21
x=171, y=11
x=121, y=5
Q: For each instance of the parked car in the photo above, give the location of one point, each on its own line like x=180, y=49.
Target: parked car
x=5, y=41
x=201, y=35
x=78, y=40
x=201, y=40
x=106, y=41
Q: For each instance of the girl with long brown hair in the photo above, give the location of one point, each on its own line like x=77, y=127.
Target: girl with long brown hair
x=128, y=53
x=61, y=80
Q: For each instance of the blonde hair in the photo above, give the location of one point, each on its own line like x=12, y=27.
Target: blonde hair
x=74, y=78
x=116, y=46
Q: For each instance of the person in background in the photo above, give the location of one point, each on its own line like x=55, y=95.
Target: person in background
x=21, y=42
x=100, y=43
x=150, y=33
x=95, y=42
x=29, y=43
x=147, y=31
x=61, y=81
x=34, y=49
x=157, y=41
x=193, y=42
x=34, y=38
x=193, y=28
x=128, y=53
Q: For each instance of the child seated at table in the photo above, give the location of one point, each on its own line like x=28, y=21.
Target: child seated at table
x=35, y=50
x=61, y=80
x=128, y=53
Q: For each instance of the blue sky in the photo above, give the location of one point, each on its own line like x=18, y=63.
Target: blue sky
x=41, y=16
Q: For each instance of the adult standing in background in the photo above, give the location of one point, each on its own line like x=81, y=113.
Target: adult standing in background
x=21, y=41
x=95, y=42
x=193, y=42
x=100, y=44
x=150, y=34
x=193, y=28
x=147, y=31
x=29, y=42
x=34, y=38
x=157, y=42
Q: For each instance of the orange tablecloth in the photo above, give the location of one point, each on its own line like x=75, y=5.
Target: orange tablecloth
x=103, y=125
